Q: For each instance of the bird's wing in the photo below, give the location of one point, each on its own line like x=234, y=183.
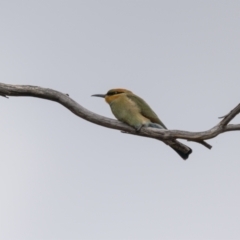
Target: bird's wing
x=145, y=109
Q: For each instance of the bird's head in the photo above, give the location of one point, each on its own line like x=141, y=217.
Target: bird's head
x=112, y=94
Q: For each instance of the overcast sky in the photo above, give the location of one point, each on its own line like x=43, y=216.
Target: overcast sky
x=63, y=178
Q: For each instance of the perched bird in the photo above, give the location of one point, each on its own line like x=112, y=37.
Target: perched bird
x=134, y=111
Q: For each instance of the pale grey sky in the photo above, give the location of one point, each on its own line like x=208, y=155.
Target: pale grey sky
x=62, y=177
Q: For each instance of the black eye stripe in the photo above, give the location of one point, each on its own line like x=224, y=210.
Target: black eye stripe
x=113, y=93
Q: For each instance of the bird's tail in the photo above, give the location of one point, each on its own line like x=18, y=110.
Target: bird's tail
x=182, y=150
x=183, y=155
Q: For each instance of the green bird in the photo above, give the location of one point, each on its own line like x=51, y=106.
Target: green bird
x=134, y=111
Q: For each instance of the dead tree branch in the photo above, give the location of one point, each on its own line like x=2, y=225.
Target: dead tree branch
x=160, y=134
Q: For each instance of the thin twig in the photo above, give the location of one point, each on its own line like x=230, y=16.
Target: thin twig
x=227, y=118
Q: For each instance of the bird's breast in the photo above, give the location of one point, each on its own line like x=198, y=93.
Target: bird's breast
x=126, y=110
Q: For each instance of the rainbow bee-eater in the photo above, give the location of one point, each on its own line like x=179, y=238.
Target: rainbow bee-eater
x=134, y=111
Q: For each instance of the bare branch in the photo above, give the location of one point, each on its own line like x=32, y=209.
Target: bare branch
x=227, y=118
x=205, y=144
x=167, y=136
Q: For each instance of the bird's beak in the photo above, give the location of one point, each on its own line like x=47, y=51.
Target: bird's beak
x=99, y=95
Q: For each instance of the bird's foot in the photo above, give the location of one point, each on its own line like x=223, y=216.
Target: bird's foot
x=139, y=128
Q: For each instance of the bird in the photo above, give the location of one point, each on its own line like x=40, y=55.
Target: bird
x=135, y=112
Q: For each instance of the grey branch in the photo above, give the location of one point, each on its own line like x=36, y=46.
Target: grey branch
x=164, y=135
